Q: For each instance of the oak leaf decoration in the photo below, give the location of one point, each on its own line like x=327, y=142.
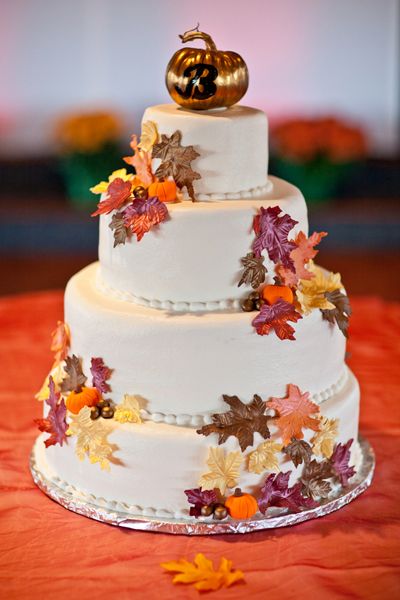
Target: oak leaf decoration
x=91, y=438
x=118, y=192
x=294, y=414
x=149, y=136
x=264, y=457
x=176, y=162
x=254, y=271
x=314, y=479
x=323, y=441
x=340, y=463
x=301, y=255
x=144, y=214
x=55, y=423
x=272, y=235
x=100, y=374
x=60, y=342
x=298, y=451
x=128, y=411
x=311, y=293
x=341, y=311
x=141, y=162
x=200, y=498
x=224, y=470
x=120, y=230
x=276, y=492
x=276, y=317
x=75, y=379
x=201, y=573
x=242, y=421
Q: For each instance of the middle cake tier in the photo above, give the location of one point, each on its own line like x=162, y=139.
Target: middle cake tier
x=180, y=364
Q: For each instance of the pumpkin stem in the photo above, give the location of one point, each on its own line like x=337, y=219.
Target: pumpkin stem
x=195, y=34
x=238, y=492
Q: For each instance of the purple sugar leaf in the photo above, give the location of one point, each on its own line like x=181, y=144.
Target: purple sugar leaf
x=100, y=373
x=276, y=492
x=272, y=235
x=340, y=462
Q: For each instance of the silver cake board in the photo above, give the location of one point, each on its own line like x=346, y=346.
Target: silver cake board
x=277, y=517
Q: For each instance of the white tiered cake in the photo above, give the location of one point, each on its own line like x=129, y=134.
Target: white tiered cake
x=168, y=318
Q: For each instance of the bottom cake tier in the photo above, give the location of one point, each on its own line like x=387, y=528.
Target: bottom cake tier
x=152, y=464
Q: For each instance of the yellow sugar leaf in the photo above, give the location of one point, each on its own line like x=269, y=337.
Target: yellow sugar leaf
x=58, y=374
x=102, y=187
x=323, y=441
x=202, y=574
x=149, y=136
x=264, y=457
x=91, y=438
x=128, y=411
x=224, y=470
x=311, y=292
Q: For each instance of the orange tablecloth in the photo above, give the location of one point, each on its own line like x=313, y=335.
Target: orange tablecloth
x=46, y=551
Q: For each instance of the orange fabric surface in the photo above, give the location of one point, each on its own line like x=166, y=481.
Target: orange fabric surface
x=47, y=551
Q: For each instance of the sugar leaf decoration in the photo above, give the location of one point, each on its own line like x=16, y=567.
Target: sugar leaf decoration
x=340, y=462
x=176, y=161
x=242, y=421
x=224, y=470
x=141, y=162
x=91, y=438
x=120, y=230
x=100, y=373
x=55, y=422
x=272, y=235
x=57, y=373
x=118, y=192
x=298, y=451
x=324, y=440
x=201, y=573
x=312, y=293
x=101, y=187
x=265, y=457
x=200, y=498
x=294, y=414
x=75, y=379
x=128, y=411
x=143, y=214
x=276, y=492
x=314, y=479
x=254, y=270
x=60, y=342
x=301, y=255
x=149, y=136
x=276, y=317
x=341, y=311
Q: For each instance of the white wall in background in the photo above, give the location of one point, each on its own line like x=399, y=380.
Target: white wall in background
x=304, y=56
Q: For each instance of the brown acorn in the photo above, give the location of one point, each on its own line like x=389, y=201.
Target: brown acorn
x=247, y=305
x=254, y=296
x=258, y=303
x=206, y=510
x=107, y=412
x=140, y=192
x=220, y=512
x=94, y=413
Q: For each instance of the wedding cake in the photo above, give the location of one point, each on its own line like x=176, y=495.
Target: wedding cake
x=200, y=372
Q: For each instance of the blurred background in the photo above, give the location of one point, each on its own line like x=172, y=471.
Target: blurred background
x=77, y=75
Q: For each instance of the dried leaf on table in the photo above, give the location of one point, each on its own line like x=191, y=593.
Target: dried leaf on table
x=324, y=440
x=224, y=470
x=299, y=452
x=144, y=214
x=340, y=463
x=275, y=317
x=176, y=161
x=301, y=255
x=254, y=271
x=276, y=492
x=272, y=235
x=55, y=422
x=141, y=162
x=128, y=411
x=118, y=192
x=121, y=232
x=202, y=574
x=242, y=421
x=314, y=479
x=75, y=378
x=100, y=373
x=341, y=311
x=200, y=498
x=265, y=457
x=294, y=414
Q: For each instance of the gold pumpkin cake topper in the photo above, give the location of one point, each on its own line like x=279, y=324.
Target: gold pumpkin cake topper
x=206, y=78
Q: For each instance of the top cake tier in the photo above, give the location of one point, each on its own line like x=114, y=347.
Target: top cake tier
x=232, y=143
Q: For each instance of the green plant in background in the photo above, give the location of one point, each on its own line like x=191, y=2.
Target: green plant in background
x=88, y=152
x=317, y=155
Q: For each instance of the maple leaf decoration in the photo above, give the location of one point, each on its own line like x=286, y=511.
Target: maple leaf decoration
x=254, y=271
x=275, y=317
x=60, y=342
x=144, y=214
x=200, y=498
x=341, y=313
x=272, y=235
x=299, y=452
x=91, y=438
x=55, y=423
x=340, y=462
x=118, y=192
x=265, y=458
x=314, y=479
x=276, y=492
x=324, y=440
x=202, y=574
x=294, y=414
x=75, y=378
x=176, y=162
x=120, y=231
x=224, y=471
x=141, y=162
x=301, y=255
x=242, y=421
x=100, y=374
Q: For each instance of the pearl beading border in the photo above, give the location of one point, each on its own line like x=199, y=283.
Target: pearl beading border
x=185, y=420
x=243, y=194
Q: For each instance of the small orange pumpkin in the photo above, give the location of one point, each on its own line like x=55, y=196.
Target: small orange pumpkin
x=241, y=506
x=272, y=293
x=164, y=190
x=88, y=396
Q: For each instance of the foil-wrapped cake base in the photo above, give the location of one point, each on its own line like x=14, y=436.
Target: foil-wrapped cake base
x=275, y=517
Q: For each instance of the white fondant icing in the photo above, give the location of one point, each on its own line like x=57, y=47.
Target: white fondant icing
x=182, y=363
x=153, y=457
x=233, y=145
x=195, y=255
